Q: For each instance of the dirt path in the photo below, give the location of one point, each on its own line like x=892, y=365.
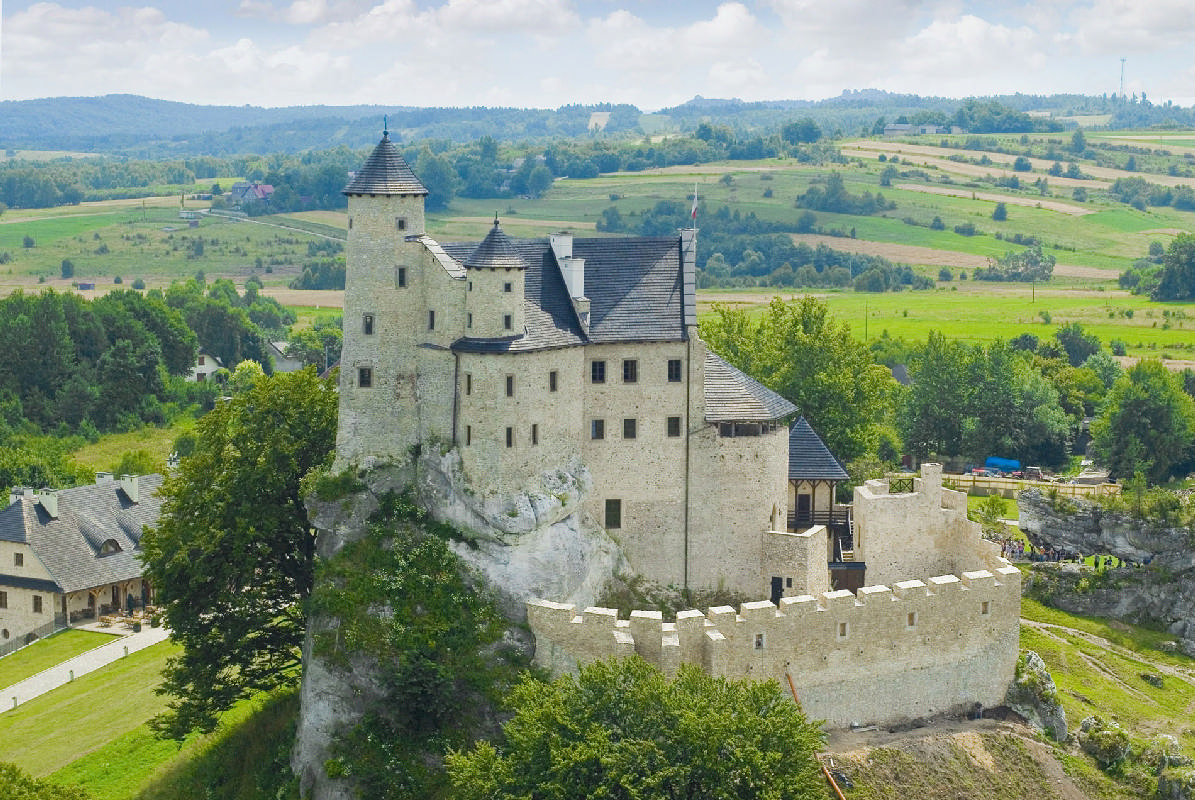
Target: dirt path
x=1047, y=628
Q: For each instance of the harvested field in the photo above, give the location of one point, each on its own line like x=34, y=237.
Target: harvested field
x=1014, y=200
x=554, y=224
x=319, y=298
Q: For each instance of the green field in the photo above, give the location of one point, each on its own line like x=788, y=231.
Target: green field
x=45, y=653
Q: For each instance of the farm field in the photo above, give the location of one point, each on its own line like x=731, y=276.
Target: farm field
x=1093, y=241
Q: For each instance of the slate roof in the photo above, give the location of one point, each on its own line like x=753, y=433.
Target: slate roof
x=808, y=457
x=634, y=287
x=385, y=172
x=733, y=396
x=68, y=546
x=496, y=251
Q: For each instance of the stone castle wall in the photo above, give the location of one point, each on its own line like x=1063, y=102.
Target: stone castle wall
x=912, y=650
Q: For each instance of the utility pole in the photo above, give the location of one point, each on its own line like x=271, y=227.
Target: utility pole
x=1122, y=80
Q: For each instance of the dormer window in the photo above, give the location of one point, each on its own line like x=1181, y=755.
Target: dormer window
x=109, y=546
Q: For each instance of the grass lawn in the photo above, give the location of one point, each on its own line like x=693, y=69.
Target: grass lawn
x=158, y=442
x=51, y=731
x=45, y=653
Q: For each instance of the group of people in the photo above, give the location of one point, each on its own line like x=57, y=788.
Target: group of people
x=1018, y=550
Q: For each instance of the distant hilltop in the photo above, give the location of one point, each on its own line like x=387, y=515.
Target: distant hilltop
x=141, y=127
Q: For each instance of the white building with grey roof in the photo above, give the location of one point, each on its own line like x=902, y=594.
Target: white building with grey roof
x=73, y=554
x=566, y=354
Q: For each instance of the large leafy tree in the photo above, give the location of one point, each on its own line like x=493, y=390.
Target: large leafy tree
x=623, y=729
x=1147, y=424
x=798, y=350
x=931, y=420
x=1178, y=270
x=231, y=558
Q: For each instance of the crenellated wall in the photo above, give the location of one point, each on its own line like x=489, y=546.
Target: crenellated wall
x=916, y=649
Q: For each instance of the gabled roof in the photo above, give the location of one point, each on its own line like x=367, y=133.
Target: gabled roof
x=733, y=396
x=808, y=457
x=69, y=545
x=634, y=287
x=385, y=172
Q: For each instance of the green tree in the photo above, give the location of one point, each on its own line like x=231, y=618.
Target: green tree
x=931, y=418
x=539, y=180
x=231, y=556
x=798, y=350
x=1079, y=346
x=622, y=729
x=438, y=175
x=1178, y=270
x=16, y=785
x=1000, y=214
x=1078, y=142
x=1147, y=424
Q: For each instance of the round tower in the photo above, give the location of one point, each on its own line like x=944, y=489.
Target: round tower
x=384, y=308
x=494, y=307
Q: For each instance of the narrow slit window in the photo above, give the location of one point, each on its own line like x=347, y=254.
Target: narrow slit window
x=535, y=434
x=431, y=320
x=400, y=278
x=367, y=324
x=510, y=437
x=468, y=435
x=468, y=383
x=507, y=322
x=510, y=385
x=552, y=381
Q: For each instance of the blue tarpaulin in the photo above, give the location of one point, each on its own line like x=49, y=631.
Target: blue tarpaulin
x=1002, y=464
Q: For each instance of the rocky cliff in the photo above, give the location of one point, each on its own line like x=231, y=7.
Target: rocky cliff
x=535, y=542
x=1158, y=589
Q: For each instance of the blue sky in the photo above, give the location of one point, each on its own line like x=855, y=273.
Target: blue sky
x=545, y=53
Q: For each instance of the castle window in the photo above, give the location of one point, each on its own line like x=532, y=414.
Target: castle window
x=788, y=583
x=507, y=322
x=510, y=385
x=400, y=277
x=674, y=370
x=350, y=223
x=759, y=641
x=3, y=599
x=364, y=377
x=597, y=372
x=508, y=287
x=37, y=602
x=468, y=383
x=400, y=223
x=630, y=370
x=470, y=285
x=629, y=428
x=202, y=361
x=367, y=324
x=597, y=429
x=985, y=608
x=18, y=559
x=911, y=620
x=468, y=435
x=552, y=381
x=674, y=426
x=535, y=434
x=843, y=630
x=613, y=514
x=469, y=320
x=431, y=320
x=510, y=437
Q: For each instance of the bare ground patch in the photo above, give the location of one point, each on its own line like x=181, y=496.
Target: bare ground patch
x=320, y=298
x=1028, y=202
x=903, y=253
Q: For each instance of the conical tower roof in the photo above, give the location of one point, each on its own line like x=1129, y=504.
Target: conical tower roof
x=385, y=172
x=495, y=252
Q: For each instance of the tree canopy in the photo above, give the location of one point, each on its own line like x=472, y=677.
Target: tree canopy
x=622, y=729
x=231, y=556
x=798, y=350
x=1147, y=424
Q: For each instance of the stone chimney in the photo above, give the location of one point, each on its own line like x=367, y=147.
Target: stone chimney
x=572, y=270
x=128, y=485
x=49, y=501
x=17, y=492
x=103, y=477
x=688, y=255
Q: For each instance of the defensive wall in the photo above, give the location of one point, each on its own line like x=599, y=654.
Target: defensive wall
x=915, y=649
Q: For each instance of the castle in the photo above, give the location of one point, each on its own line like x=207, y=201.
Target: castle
x=531, y=358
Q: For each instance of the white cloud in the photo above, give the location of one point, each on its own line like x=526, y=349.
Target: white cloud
x=1124, y=26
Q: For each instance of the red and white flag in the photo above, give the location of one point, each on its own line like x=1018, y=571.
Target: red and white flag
x=694, y=214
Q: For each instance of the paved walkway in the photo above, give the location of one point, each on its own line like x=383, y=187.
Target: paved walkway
x=93, y=659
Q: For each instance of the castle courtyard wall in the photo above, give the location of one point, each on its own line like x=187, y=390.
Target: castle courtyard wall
x=913, y=650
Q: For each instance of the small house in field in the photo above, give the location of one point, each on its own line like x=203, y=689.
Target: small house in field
x=283, y=362
x=205, y=367
x=73, y=555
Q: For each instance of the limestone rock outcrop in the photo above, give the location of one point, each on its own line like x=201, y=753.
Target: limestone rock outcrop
x=1158, y=588
x=533, y=542
x=1034, y=696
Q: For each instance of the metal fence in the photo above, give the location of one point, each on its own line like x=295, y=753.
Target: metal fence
x=17, y=642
